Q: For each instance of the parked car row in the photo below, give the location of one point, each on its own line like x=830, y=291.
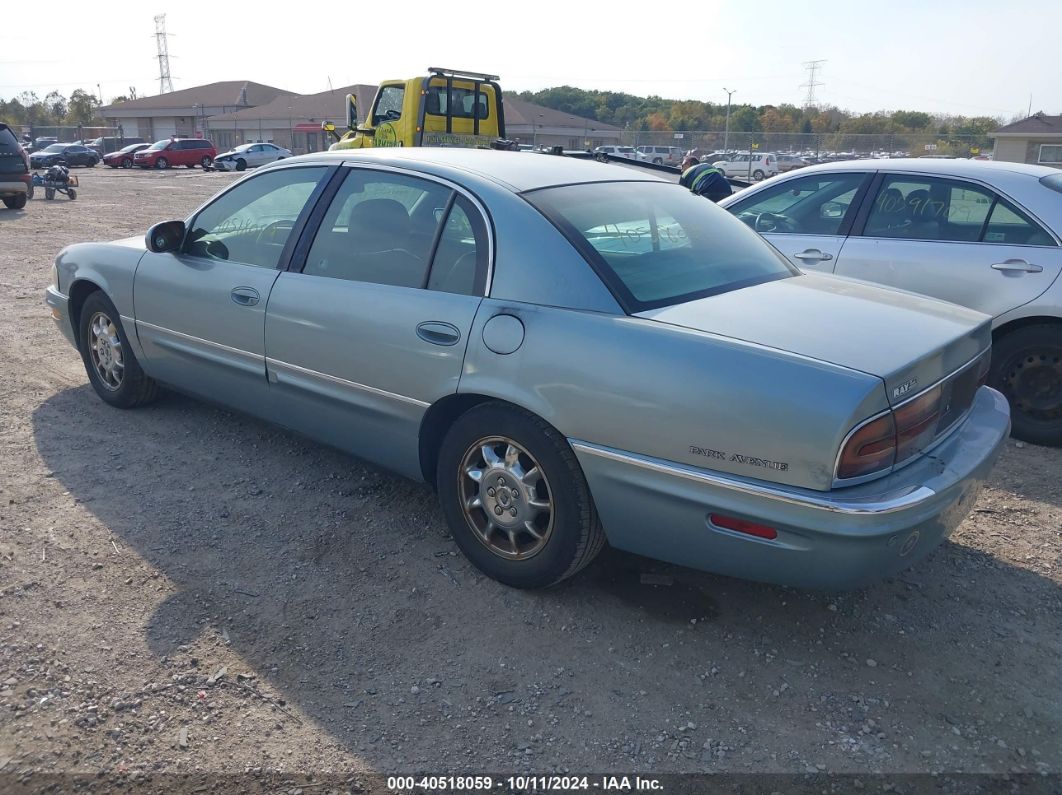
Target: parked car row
x=812, y=430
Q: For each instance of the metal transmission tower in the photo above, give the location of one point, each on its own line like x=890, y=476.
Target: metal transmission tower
x=813, y=70
x=165, y=81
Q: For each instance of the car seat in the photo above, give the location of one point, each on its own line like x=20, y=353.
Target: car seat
x=890, y=214
x=922, y=213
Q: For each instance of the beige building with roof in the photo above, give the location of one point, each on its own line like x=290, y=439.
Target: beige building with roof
x=541, y=126
x=292, y=120
x=184, y=113
x=1037, y=140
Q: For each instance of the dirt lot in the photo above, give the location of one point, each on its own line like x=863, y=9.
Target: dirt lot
x=185, y=589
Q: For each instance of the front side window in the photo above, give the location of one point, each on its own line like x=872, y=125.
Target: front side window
x=929, y=208
x=813, y=205
x=379, y=228
x=251, y=223
x=656, y=244
x=388, y=104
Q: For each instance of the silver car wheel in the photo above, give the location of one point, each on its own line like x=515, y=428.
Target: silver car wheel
x=105, y=348
x=505, y=498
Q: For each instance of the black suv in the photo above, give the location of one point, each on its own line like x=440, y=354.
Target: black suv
x=16, y=185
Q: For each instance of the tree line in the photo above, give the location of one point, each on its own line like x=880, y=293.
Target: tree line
x=29, y=110
x=657, y=114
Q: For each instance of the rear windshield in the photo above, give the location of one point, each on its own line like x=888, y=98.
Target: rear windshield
x=658, y=244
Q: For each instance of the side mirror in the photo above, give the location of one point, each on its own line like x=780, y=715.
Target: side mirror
x=164, y=237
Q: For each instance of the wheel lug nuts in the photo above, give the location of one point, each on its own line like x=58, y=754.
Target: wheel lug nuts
x=498, y=510
x=512, y=513
x=490, y=492
x=516, y=494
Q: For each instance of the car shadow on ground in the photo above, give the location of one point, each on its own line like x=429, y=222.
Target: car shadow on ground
x=339, y=586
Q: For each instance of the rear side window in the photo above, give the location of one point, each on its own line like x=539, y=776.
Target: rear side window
x=463, y=102
x=460, y=262
x=656, y=244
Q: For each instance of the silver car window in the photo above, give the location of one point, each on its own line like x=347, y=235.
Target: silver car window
x=914, y=207
x=658, y=244
x=250, y=224
x=812, y=205
x=379, y=228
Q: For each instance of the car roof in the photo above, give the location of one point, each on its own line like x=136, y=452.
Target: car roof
x=518, y=171
x=954, y=167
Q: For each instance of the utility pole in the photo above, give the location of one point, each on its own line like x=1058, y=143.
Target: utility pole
x=165, y=81
x=813, y=70
x=726, y=132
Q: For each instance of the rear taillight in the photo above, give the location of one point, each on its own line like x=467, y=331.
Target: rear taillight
x=916, y=424
x=870, y=448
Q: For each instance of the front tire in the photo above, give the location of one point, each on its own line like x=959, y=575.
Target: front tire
x=515, y=497
x=241, y=164
x=111, y=365
x=1027, y=369
x=162, y=163
x=127, y=162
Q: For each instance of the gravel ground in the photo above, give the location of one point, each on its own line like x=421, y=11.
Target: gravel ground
x=186, y=589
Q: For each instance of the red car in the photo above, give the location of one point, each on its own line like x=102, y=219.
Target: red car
x=123, y=158
x=189, y=152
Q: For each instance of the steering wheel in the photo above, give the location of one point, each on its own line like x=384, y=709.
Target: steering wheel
x=270, y=233
x=774, y=222
x=392, y=114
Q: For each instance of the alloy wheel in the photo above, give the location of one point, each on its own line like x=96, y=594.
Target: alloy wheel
x=105, y=349
x=505, y=498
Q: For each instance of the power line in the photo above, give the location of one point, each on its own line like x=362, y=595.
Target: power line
x=812, y=84
x=165, y=81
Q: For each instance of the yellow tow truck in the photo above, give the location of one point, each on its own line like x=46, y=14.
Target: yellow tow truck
x=448, y=107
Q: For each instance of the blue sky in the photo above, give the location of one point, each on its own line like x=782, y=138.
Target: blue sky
x=971, y=58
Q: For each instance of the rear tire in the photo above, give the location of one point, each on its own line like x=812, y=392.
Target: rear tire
x=1027, y=369
x=515, y=497
x=15, y=202
x=111, y=365
x=205, y=162
x=71, y=193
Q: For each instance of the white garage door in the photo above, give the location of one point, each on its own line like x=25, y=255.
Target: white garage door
x=164, y=128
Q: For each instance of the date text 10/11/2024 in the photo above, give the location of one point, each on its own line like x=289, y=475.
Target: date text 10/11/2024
x=522, y=783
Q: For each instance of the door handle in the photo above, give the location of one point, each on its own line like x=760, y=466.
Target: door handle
x=244, y=296
x=439, y=333
x=813, y=254
x=1017, y=266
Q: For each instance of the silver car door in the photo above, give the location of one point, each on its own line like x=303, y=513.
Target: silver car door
x=200, y=312
x=373, y=329
x=805, y=217
x=953, y=239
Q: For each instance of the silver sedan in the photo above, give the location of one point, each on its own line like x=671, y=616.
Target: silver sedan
x=569, y=351
x=246, y=156
x=984, y=235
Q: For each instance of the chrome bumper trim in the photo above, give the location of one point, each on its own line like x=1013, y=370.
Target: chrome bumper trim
x=879, y=504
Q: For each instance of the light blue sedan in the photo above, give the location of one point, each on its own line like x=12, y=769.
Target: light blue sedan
x=570, y=352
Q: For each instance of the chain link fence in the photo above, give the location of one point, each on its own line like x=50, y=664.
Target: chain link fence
x=68, y=133
x=815, y=144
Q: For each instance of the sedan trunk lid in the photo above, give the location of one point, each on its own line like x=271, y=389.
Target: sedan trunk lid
x=909, y=341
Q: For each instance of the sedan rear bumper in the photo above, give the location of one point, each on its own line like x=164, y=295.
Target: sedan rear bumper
x=837, y=539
